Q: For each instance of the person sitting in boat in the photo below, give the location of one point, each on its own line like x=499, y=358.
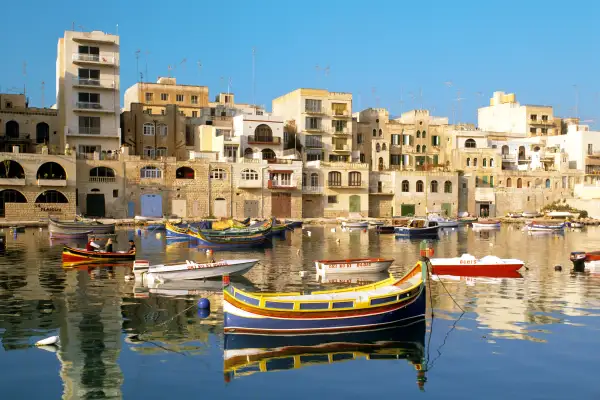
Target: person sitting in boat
x=131, y=246
x=92, y=245
x=109, y=246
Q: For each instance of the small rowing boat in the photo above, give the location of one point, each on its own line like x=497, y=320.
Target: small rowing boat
x=468, y=265
x=353, y=265
x=441, y=221
x=418, y=227
x=356, y=224
x=73, y=235
x=544, y=226
x=228, y=242
x=486, y=224
x=55, y=226
x=378, y=305
x=190, y=270
x=72, y=254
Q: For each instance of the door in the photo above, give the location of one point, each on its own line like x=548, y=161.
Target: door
x=447, y=209
x=220, y=208
x=281, y=205
x=151, y=205
x=179, y=207
x=131, y=209
x=94, y=205
x=484, y=209
x=355, y=203
x=250, y=208
x=407, y=210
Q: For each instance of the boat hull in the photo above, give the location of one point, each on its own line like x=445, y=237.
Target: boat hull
x=183, y=272
x=74, y=235
x=478, y=225
x=487, y=271
x=447, y=224
x=352, y=266
x=386, y=229
x=404, y=231
x=79, y=227
x=355, y=224
x=71, y=255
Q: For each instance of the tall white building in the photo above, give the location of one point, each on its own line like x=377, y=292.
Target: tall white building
x=88, y=92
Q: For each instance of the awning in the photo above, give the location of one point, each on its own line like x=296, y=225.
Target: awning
x=282, y=171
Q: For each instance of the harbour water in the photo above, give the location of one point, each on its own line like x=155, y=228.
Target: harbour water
x=534, y=337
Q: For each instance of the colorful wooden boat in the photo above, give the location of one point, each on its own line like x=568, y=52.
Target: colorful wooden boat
x=228, y=242
x=353, y=265
x=378, y=305
x=176, y=232
x=72, y=254
x=468, y=265
x=55, y=226
x=248, y=354
x=585, y=261
x=229, y=224
x=263, y=227
x=467, y=220
x=441, y=221
x=190, y=270
x=486, y=224
x=418, y=227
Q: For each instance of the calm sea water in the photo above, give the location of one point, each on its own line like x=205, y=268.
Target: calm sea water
x=534, y=337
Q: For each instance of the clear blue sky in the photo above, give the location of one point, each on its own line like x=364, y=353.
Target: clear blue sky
x=380, y=51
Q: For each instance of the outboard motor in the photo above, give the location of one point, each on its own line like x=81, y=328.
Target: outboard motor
x=578, y=260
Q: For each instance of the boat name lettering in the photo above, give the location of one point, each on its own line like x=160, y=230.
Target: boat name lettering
x=470, y=262
x=212, y=265
x=48, y=209
x=350, y=265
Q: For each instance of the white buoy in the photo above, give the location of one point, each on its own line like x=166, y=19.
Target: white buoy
x=302, y=274
x=332, y=230
x=50, y=341
x=308, y=233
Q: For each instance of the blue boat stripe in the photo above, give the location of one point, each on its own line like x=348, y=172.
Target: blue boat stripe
x=314, y=306
x=343, y=304
x=246, y=299
x=383, y=300
x=280, y=305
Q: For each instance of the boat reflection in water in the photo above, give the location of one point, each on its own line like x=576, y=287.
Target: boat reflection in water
x=246, y=354
x=351, y=279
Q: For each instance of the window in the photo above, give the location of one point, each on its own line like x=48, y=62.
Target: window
x=519, y=183
x=354, y=178
x=528, y=183
x=374, y=132
x=102, y=172
x=161, y=152
x=314, y=141
x=406, y=140
x=51, y=196
x=395, y=140
x=424, y=149
x=89, y=125
x=435, y=140
x=476, y=181
x=179, y=97
x=418, y=134
x=218, y=173
x=434, y=186
x=468, y=161
x=163, y=129
x=314, y=179
x=380, y=132
x=424, y=134
x=545, y=130
x=418, y=148
x=89, y=98
x=280, y=179
x=149, y=111
x=162, y=111
x=475, y=162
x=313, y=156
x=148, y=129
x=331, y=199
x=338, y=125
x=89, y=53
x=359, y=138
x=547, y=183
x=164, y=96
x=534, y=117
x=89, y=76
x=509, y=182
x=484, y=163
x=194, y=114
x=8, y=104
x=149, y=152
x=335, y=178
x=313, y=123
x=395, y=159
x=268, y=154
x=384, y=147
x=420, y=186
x=194, y=99
x=115, y=193
x=447, y=187
x=533, y=130
x=491, y=181
x=249, y=175
x=544, y=118
x=378, y=147
x=263, y=133
x=89, y=149
x=470, y=144
x=303, y=179
x=405, y=186
x=150, y=173
x=149, y=97
x=311, y=105
x=362, y=157
x=590, y=149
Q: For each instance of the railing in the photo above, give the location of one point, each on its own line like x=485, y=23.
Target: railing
x=315, y=129
x=84, y=105
x=97, y=83
x=339, y=184
x=341, y=147
x=340, y=132
x=102, y=179
x=51, y=182
x=509, y=157
x=340, y=114
x=314, y=145
x=315, y=110
x=264, y=140
x=281, y=184
x=97, y=58
x=86, y=130
x=312, y=189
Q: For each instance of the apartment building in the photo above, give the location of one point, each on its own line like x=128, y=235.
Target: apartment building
x=323, y=121
x=28, y=128
x=88, y=92
x=505, y=114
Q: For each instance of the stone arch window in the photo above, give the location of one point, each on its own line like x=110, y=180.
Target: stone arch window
x=314, y=179
x=218, y=173
x=505, y=150
x=468, y=161
x=163, y=130
x=12, y=196
x=418, y=148
x=11, y=169
x=470, y=144
x=433, y=186
x=447, y=187
x=491, y=163
x=263, y=133
x=248, y=153
x=354, y=178
x=509, y=182
x=102, y=174
x=418, y=134
x=377, y=147
x=424, y=134
x=150, y=172
x=519, y=183
x=548, y=184
x=484, y=162
x=384, y=147
x=420, y=187
x=268, y=154
x=12, y=130
x=405, y=186
x=374, y=132
x=52, y=197
x=475, y=162
x=51, y=170
x=148, y=129
x=380, y=132
x=249, y=175
x=42, y=133
x=424, y=149
x=189, y=173
x=335, y=178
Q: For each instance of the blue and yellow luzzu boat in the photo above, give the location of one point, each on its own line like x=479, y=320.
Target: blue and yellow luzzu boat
x=227, y=242
x=257, y=228
x=176, y=232
x=380, y=304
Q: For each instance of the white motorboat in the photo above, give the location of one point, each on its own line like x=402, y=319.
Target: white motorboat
x=355, y=224
x=190, y=270
x=441, y=221
x=486, y=224
x=353, y=265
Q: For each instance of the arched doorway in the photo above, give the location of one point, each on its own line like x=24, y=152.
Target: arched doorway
x=10, y=196
x=12, y=130
x=42, y=133
x=10, y=169
x=268, y=154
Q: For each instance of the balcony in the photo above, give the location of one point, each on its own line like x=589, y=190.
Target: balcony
x=264, y=140
x=102, y=179
x=52, y=182
x=250, y=183
x=94, y=83
x=342, y=148
x=312, y=189
x=315, y=111
x=541, y=122
x=314, y=129
x=340, y=114
x=509, y=158
x=12, y=181
x=341, y=133
x=281, y=184
x=92, y=107
x=95, y=59
x=314, y=145
x=351, y=185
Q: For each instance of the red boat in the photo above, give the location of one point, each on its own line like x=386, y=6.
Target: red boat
x=581, y=258
x=72, y=254
x=468, y=265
